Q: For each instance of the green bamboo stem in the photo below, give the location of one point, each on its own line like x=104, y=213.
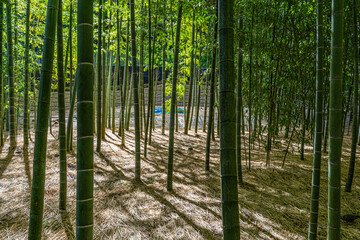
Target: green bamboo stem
x=27, y=76
x=99, y=81
x=61, y=109
x=335, y=122
x=38, y=182
x=315, y=188
x=169, y=185
x=212, y=95
x=135, y=92
x=191, y=83
x=12, y=123
x=229, y=188
x=355, y=126
x=85, y=113
x=239, y=101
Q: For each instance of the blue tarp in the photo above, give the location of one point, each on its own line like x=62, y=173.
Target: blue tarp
x=159, y=111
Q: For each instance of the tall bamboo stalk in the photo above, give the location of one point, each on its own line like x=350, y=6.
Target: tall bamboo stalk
x=169, y=185
x=26, y=87
x=355, y=126
x=150, y=86
x=335, y=119
x=229, y=188
x=212, y=94
x=315, y=188
x=191, y=83
x=99, y=81
x=135, y=92
x=85, y=112
x=61, y=109
x=239, y=101
x=1, y=76
x=38, y=182
x=11, y=77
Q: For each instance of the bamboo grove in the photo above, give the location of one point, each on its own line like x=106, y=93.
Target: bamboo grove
x=246, y=73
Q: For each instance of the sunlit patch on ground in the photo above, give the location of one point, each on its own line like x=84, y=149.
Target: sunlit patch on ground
x=274, y=201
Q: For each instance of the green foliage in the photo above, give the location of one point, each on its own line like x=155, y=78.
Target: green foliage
x=5, y=1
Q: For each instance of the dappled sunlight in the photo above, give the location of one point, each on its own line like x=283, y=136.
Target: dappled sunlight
x=274, y=201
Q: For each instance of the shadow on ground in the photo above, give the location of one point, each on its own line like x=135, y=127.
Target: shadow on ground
x=274, y=201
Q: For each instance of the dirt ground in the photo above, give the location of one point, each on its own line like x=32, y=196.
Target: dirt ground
x=274, y=201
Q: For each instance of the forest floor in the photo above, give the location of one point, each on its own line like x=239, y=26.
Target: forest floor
x=274, y=201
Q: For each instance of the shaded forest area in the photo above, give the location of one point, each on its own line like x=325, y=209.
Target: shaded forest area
x=223, y=119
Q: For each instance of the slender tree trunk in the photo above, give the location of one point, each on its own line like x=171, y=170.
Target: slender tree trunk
x=191, y=83
x=141, y=73
x=290, y=140
x=197, y=105
x=152, y=124
x=154, y=84
x=184, y=95
x=163, y=90
x=99, y=81
x=26, y=87
x=108, y=91
x=212, y=94
x=335, y=123
x=70, y=118
x=141, y=86
x=38, y=182
x=303, y=128
x=206, y=96
x=67, y=54
x=70, y=138
x=136, y=92
x=150, y=86
x=173, y=100
x=176, y=117
x=272, y=116
x=116, y=76
x=250, y=78
x=154, y=101
x=35, y=105
x=238, y=102
x=11, y=79
x=104, y=91
x=355, y=126
x=229, y=189
x=129, y=101
x=124, y=88
x=184, y=100
x=95, y=97
x=1, y=76
x=104, y=79
x=326, y=129
x=51, y=110
x=199, y=91
x=193, y=97
x=15, y=69
x=315, y=187
x=85, y=158
x=61, y=109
